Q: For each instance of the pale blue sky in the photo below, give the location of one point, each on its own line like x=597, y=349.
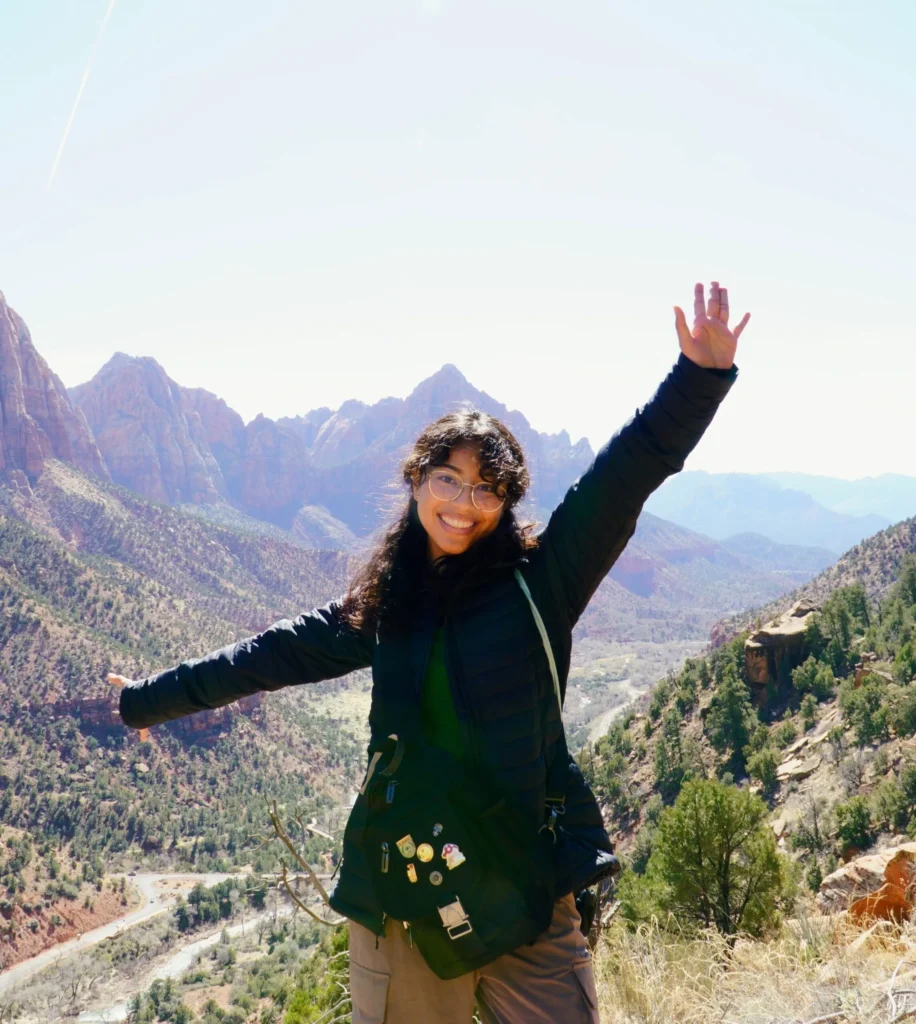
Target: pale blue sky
x=296, y=203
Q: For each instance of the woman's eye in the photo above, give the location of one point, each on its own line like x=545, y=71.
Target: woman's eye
x=446, y=478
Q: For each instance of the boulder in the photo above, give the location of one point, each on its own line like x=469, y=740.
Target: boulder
x=797, y=768
x=873, y=886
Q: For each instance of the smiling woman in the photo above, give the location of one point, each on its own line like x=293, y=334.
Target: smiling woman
x=466, y=619
x=457, y=507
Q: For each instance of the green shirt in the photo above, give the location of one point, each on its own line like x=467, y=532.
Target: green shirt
x=440, y=720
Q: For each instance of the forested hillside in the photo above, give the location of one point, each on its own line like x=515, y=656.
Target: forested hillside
x=815, y=712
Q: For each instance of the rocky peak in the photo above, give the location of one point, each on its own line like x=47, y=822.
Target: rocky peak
x=37, y=419
x=150, y=432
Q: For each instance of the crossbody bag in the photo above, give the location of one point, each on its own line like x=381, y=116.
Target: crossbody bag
x=471, y=880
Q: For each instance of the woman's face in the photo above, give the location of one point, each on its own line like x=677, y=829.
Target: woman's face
x=452, y=526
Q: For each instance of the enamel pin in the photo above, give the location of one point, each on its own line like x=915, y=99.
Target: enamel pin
x=407, y=847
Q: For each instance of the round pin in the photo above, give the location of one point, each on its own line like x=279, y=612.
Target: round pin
x=407, y=847
x=425, y=852
x=435, y=877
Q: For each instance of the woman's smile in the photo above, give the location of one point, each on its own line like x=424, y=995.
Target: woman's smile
x=456, y=524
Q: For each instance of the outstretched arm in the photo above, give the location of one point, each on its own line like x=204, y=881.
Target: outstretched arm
x=592, y=525
x=308, y=649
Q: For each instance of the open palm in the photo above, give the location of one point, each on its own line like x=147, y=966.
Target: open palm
x=709, y=343
x=119, y=682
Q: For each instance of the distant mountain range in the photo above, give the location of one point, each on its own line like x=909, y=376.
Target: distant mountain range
x=890, y=495
x=323, y=479
x=724, y=504
x=185, y=445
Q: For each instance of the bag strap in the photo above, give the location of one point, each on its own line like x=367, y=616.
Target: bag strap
x=545, y=639
x=558, y=769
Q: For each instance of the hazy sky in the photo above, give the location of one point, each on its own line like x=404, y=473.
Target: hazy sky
x=292, y=204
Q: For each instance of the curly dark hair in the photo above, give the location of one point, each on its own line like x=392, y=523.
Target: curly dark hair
x=392, y=581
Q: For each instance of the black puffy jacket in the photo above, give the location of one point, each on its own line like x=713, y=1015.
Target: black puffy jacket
x=500, y=677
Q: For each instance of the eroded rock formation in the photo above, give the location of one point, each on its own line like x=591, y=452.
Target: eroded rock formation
x=149, y=444
x=778, y=647
x=37, y=419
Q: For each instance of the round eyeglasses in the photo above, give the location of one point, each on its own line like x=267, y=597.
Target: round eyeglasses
x=445, y=486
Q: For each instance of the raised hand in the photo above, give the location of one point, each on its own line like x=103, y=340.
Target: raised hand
x=120, y=681
x=709, y=343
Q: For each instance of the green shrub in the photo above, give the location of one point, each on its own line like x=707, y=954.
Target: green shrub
x=762, y=766
x=866, y=709
x=731, y=718
x=715, y=861
x=889, y=805
x=808, y=711
x=784, y=734
x=854, y=822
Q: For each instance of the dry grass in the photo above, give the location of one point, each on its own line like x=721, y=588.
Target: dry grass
x=817, y=970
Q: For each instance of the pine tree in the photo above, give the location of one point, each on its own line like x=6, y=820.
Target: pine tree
x=731, y=717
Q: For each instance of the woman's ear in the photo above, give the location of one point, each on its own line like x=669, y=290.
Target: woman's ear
x=415, y=488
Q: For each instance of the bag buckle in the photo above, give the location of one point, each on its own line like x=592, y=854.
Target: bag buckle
x=455, y=932
x=557, y=807
x=455, y=920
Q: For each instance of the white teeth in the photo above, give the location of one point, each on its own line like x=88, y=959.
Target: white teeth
x=459, y=524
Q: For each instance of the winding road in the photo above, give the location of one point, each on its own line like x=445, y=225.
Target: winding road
x=159, y=892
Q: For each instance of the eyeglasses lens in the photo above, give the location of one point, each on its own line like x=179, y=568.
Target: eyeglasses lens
x=447, y=488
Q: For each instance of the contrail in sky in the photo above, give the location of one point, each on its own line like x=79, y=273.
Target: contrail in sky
x=79, y=93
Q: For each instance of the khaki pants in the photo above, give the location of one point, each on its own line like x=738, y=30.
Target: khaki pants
x=550, y=980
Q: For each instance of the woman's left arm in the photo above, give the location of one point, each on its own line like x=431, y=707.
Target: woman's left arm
x=592, y=525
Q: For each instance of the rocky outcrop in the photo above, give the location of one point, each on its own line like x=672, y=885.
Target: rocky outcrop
x=774, y=650
x=37, y=419
x=102, y=714
x=875, y=886
x=208, y=724
x=150, y=445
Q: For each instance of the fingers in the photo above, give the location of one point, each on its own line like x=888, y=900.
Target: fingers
x=116, y=680
x=680, y=325
x=699, y=306
x=742, y=325
x=712, y=307
x=723, y=305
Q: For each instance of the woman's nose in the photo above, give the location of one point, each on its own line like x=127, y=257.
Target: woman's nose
x=463, y=501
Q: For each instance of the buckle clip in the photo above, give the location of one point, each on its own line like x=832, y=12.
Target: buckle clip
x=455, y=920
x=557, y=807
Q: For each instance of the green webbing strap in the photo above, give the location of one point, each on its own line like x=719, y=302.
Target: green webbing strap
x=542, y=629
x=558, y=769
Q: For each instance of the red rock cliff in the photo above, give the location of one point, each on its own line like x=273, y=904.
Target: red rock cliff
x=37, y=419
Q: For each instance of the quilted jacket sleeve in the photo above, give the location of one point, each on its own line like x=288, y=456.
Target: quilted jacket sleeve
x=308, y=649
x=592, y=525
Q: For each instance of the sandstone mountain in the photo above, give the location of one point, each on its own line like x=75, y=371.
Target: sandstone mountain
x=176, y=444
x=37, y=419
x=148, y=441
